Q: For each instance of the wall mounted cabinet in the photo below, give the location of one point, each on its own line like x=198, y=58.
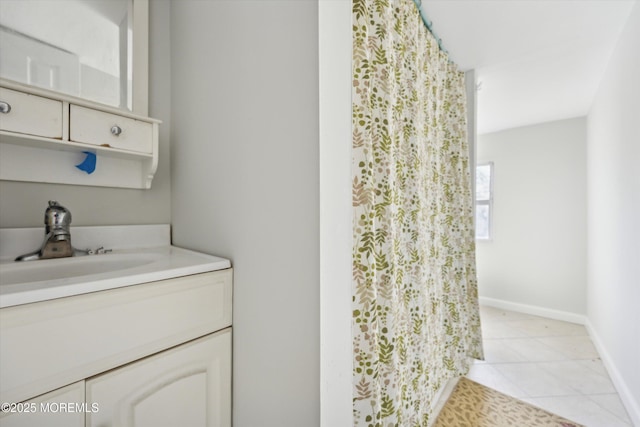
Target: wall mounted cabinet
x=44, y=135
x=30, y=114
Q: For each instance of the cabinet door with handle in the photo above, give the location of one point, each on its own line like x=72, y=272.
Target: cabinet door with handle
x=189, y=385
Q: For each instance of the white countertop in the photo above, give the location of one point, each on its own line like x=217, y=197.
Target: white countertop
x=143, y=255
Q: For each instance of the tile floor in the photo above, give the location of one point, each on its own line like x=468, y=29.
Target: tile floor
x=550, y=364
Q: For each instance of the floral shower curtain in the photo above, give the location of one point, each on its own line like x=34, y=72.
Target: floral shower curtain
x=415, y=304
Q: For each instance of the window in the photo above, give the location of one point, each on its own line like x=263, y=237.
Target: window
x=484, y=199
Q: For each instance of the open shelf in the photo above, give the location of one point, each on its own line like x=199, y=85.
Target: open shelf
x=42, y=158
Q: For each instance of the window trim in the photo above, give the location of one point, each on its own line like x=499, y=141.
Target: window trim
x=485, y=202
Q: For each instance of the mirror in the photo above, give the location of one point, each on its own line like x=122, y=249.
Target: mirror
x=83, y=48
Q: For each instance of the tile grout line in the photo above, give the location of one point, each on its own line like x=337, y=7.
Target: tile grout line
x=573, y=341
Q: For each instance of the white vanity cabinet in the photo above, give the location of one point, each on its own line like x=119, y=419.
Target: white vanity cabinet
x=186, y=386
x=44, y=135
x=48, y=410
x=153, y=354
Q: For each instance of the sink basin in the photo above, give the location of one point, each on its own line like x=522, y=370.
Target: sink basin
x=34, y=281
x=53, y=269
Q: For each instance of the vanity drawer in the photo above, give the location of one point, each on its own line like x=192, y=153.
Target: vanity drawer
x=31, y=114
x=99, y=128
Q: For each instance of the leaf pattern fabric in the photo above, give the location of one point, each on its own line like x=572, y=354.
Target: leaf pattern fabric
x=415, y=305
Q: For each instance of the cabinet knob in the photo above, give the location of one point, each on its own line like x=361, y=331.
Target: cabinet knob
x=116, y=130
x=5, y=107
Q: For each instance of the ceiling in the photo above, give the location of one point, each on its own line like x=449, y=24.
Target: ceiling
x=536, y=60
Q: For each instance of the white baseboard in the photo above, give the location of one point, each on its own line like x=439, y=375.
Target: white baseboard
x=535, y=310
x=631, y=405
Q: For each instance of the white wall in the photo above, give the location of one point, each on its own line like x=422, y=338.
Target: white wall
x=245, y=176
x=537, y=255
x=613, y=172
x=22, y=204
x=336, y=230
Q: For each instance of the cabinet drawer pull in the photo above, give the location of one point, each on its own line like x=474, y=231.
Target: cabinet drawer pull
x=116, y=130
x=5, y=107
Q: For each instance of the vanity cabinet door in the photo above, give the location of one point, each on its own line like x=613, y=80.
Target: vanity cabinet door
x=109, y=130
x=64, y=407
x=189, y=385
x=30, y=114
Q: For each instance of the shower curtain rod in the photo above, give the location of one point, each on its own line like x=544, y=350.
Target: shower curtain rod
x=429, y=25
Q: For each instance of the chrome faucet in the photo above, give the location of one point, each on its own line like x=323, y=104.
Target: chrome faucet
x=57, y=235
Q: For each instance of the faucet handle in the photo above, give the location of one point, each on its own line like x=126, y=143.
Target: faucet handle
x=56, y=215
x=101, y=250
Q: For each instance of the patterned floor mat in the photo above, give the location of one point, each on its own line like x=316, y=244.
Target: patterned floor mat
x=474, y=405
